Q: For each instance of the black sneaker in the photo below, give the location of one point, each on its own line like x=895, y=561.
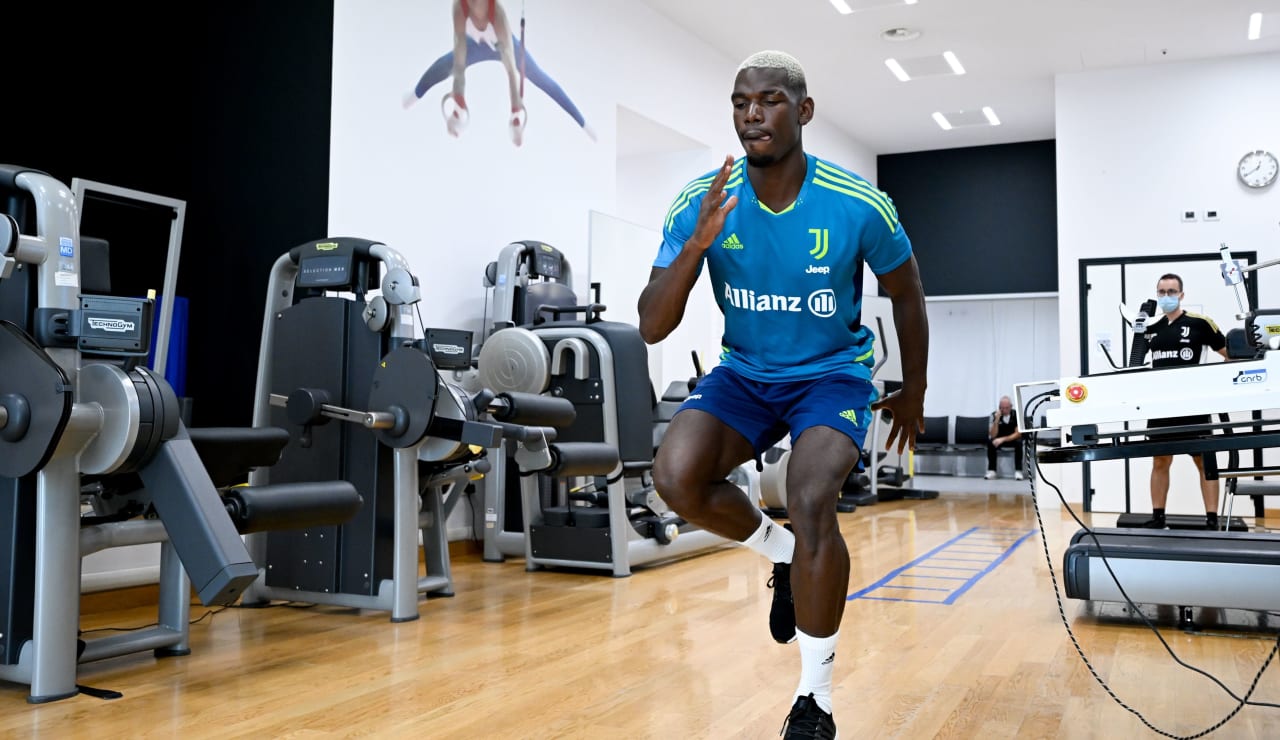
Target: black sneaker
x=1211, y=522
x=808, y=720
x=782, y=615
x=1155, y=522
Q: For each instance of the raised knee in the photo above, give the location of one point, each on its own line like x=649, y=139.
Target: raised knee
x=676, y=483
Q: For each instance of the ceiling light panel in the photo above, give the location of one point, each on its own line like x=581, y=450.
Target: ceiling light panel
x=1255, y=26
x=846, y=7
x=934, y=65
x=967, y=118
x=942, y=121
x=897, y=70
x=953, y=62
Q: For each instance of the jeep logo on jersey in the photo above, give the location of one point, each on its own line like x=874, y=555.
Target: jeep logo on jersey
x=822, y=303
x=818, y=270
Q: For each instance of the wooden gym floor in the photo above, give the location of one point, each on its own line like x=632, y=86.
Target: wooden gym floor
x=683, y=650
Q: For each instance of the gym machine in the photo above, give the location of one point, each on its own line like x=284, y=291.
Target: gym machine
x=81, y=418
x=613, y=520
x=411, y=443
x=1218, y=569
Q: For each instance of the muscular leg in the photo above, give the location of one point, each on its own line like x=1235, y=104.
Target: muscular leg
x=697, y=454
x=820, y=461
x=1160, y=480
x=1208, y=488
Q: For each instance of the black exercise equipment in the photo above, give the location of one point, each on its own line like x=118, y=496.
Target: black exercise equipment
x=364, y=401
x=82, y=418
x=543, y=341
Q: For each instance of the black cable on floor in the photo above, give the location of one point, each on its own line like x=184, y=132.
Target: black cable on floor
x=1033, y=473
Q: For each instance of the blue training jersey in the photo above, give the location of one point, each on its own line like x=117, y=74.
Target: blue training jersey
x=790, y=283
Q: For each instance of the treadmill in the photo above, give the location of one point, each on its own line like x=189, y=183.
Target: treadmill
x=1225, y=570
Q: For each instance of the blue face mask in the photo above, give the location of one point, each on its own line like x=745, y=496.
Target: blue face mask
x=1168, y=303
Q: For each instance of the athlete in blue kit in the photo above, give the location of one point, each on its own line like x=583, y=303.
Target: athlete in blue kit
x=785, y=237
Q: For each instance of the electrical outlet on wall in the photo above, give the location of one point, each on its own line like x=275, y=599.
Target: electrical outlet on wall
x=1188, y=216
x=1210, y=215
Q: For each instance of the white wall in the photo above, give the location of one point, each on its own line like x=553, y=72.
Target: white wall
x=1137, y=146
x=980, y=347
x=450, y=204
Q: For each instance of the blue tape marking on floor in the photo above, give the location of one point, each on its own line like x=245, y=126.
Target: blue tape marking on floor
x=918, y=588
x=941, y=553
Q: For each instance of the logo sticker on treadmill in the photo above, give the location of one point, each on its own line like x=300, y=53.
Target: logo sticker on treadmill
x=1248, y=377
x=1076, y=392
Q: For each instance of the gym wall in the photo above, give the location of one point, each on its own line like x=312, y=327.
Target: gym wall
x=1138, y=146
x=451, y=204
x=982, y=219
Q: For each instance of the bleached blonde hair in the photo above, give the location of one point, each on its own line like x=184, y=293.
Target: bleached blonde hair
x=780, y=60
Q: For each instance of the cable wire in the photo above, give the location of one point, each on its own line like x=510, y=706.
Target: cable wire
x=1033, y=473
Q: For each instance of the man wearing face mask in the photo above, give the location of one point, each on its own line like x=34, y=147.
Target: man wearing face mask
x=1174, y=340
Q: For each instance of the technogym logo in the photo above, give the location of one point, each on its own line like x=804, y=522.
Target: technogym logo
x=850, y=415
x=732, y=242
x=112, y=325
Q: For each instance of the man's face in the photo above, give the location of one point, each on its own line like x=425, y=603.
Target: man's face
x=766, y=117
x=1005, y=406
x=1169, y=287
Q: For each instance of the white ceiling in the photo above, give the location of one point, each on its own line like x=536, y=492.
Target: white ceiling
x=1011, y=51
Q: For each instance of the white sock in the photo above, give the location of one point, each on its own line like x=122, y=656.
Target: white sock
x=772, y=541
x=817, y=657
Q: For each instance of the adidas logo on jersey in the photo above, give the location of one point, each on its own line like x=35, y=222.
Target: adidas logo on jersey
x=732, y=242
x=850, y=415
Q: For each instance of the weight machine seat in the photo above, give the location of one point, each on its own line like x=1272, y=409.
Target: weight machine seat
x=633, y=392
x=543, y=294
x=230, y=453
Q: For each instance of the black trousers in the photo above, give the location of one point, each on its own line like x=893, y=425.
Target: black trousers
x=1017, y=454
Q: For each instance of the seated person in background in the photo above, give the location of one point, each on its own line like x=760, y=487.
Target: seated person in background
x=1004, y=430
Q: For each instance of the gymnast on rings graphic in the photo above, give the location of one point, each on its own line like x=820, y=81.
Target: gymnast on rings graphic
x=482, y=33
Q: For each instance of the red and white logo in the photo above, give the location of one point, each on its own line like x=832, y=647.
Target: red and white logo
x=1076, y=392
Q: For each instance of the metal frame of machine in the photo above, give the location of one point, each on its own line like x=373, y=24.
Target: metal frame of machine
x=527, y=358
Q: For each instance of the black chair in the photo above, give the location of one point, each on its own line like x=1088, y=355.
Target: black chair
x=936, y=433
x=972, y=431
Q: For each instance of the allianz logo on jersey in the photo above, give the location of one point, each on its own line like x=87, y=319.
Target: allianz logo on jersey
x=820, y=303
x=1185, y=354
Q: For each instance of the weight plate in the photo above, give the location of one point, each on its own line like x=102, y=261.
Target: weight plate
x=109, y=387
x=514, y=360
x=405, y=380
x=31, y=375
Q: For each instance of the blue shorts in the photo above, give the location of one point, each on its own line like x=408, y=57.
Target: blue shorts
x=764, y=412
